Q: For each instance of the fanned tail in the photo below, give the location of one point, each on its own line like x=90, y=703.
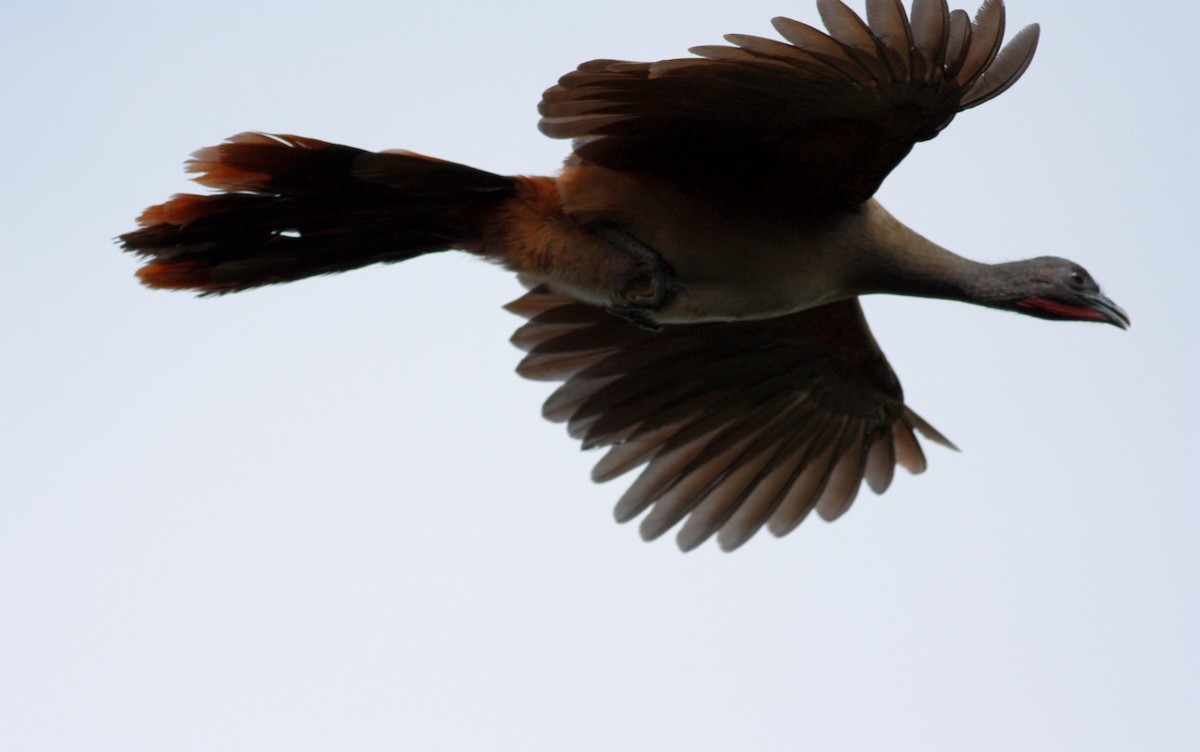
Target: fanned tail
x=293, y=207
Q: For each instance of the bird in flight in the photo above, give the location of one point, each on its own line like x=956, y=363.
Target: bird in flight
x=694, y=270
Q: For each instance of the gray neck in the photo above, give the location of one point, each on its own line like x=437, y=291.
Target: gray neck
x=902, y=262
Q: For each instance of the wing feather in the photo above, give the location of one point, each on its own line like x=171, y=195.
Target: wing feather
x=824, y=48
x=624, y=456
x=1009, y=65
x=718, y=502
x=819, y=117
x=847, y=475
x=930, y=30
x=881, y=463
x=852, y=33
x=770, y=491
x=958, y=43
x=738, y=424
x=987, y=34
x=889, y=24
x=813, y=475
x=734, y=449
x=909, y=454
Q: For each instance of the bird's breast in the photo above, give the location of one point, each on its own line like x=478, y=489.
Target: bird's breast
x=731, y=260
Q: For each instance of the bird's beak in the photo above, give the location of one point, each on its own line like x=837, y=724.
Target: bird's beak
x=1112, y=313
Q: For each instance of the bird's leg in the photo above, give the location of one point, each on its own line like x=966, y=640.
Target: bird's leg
x=587, y=258
x=646, y=287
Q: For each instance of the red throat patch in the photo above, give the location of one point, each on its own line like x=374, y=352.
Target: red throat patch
x=1066, y=310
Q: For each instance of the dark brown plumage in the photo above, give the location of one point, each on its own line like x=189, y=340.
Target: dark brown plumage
x=721, y=207
x=821, y=119
x=742, y=423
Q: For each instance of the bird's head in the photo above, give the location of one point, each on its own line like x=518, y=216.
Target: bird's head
x=1061, y=290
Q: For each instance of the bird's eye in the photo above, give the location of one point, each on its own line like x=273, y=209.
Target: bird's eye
x=1078, y=278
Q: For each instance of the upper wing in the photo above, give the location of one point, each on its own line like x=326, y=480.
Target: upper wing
x=742, y=423
x=825, y=117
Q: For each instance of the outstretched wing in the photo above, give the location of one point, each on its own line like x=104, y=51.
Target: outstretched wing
x=739, y=424
x=824, y=117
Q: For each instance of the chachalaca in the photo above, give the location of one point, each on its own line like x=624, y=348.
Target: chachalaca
x=697, y=264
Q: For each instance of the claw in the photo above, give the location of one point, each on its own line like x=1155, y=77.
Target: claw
x=649, y=286
x=636, y=316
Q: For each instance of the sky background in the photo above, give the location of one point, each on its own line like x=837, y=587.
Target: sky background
x=329, y=516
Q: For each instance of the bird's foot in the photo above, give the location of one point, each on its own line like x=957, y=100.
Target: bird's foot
x=645, y=288
x=639, y=317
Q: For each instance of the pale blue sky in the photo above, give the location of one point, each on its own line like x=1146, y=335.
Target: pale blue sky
x=329, y=516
